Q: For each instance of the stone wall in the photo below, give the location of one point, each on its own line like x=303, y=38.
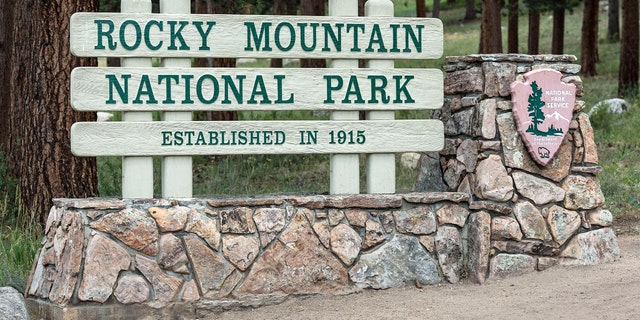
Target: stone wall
x=489, y=212
x=524, y=216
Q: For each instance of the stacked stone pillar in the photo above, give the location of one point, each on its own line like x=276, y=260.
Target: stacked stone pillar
x=524, y=216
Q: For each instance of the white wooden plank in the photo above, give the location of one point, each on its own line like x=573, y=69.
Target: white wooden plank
x=254, y=137
x=380, y=167
x=344, y=169
x=179, y=35
x=177, y=171
x=189, y=89
x=137, y=172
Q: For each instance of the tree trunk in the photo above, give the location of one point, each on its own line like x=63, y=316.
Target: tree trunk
x=491, y=33
x=613, y=30
x=421, y=9
x=39, y=116
x=512, y=35
x=628, y=75
x=222, y=7
x=534, y=32
x=292, y=7
x=436, y=9
x=589, y=50
x=201, y=7
x=470, y=10
x=279, y=8
x=312, y=8
x=557, y=37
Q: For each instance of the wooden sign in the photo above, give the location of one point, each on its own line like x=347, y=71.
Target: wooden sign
x=254, y=36
x=254, y=137
x=543, y=108
x=215, y=89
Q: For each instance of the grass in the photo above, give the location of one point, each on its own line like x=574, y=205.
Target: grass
x=19, y=242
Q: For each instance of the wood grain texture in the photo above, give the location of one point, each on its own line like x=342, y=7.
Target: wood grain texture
x=147, y=138
x=228, y=38
x=301, y=89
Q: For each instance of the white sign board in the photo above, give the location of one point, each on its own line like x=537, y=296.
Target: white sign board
x=215, y=89
x=254, y=137
x=254, y=36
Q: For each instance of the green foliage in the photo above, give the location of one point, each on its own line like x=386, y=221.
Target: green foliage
x=619, y=150
x=19, y=243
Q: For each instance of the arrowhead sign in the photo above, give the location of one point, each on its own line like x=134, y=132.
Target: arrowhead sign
x=543, y=108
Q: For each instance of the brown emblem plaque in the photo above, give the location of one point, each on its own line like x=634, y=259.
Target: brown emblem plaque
x=543, y=109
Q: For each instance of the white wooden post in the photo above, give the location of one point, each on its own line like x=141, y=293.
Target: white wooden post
x=344, y=177
x=177, y=181
x=381, y=168
x=137, y=172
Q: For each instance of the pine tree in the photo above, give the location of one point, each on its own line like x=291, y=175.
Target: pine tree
x=535, y=109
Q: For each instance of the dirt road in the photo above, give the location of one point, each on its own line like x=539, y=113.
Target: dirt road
x=608, y=291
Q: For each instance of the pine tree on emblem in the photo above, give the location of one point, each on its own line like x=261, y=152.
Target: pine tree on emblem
x=535, y=110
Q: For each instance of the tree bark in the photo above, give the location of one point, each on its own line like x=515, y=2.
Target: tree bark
x=470, y=10
x=491, y=33
x=436, y=9
x=628, y=75
x=534, y=32
x=421, y=9
x=39, y=116
x=312, y=8
x=613, y=27
x=512, y=33
x=279, y=8
x=557, y=37
x=589, y=47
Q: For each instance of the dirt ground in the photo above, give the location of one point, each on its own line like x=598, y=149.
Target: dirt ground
x=607, y=291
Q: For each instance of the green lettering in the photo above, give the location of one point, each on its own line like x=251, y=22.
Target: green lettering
x=355, y=27
x=338, y=86
x=353, y=89
x=123, y=91
x=314, y=27
x=105, y=34
x=237, y=90
x=178, y=140
x=168, y=78
x=213, y=138
x=403, y=89
x=292, y=36
x=187, y=88
x=242, y=137
x=417, y=41
x=176, y=34
x=145, y=89
x=138, y=34
x=200, y=141
x=394, y=28
x=262, y=91
x=279, y=78
x=376, y=37
x=166, y=138
x=257, y=39
x=378, y=88
x=335, y=39
x=204, y=34
x=147, y=38
x=215, y=91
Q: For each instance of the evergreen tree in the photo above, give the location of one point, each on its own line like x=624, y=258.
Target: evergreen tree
x=535, y=109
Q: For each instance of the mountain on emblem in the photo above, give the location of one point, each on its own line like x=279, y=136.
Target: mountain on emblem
x=542, y=109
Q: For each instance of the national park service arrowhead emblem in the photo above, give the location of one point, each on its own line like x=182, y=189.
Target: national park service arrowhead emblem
x=542, y=109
